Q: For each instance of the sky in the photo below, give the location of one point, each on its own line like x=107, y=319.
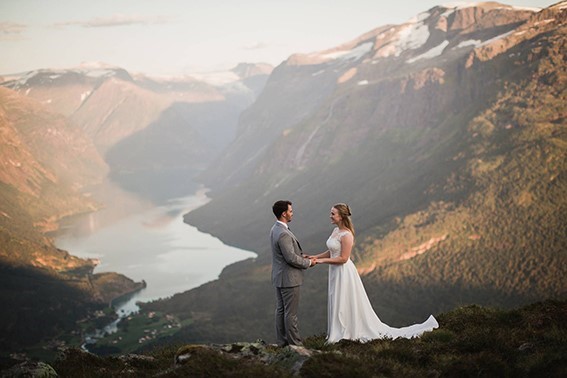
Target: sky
x=179, y=37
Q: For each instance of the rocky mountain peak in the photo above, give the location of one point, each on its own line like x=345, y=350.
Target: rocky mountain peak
x=445, y=28
x=64, y=77
x=428, y=34
x=476, y=16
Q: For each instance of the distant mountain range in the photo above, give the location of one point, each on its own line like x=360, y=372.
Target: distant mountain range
x=446, y=136
x=62, y=133
x=142, y=125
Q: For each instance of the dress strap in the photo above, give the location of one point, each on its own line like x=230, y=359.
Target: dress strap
x=340, y=234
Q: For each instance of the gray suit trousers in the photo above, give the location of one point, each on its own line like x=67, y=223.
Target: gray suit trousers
x=287, y=323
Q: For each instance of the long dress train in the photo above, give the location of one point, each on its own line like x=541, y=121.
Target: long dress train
x=350, y=314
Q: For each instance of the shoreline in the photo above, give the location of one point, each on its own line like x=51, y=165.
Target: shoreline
x=150, y=245
x=115, y=302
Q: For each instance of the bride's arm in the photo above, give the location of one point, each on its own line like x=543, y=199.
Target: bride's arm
x=327, y=253
x=346, y=248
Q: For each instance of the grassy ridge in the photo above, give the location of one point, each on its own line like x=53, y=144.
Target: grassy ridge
x=471, y=341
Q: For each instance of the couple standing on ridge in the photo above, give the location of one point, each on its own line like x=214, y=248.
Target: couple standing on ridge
x=350, y=314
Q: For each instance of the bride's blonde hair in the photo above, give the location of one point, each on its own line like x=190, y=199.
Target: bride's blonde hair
x=345, y=214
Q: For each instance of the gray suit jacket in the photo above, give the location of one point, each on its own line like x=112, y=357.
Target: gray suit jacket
x=287, y=261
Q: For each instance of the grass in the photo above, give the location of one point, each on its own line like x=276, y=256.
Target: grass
x=471, y=341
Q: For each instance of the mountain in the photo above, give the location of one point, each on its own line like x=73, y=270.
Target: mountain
x=130, y=118
x=36, y=148
x=62, y=133
x=47, y=167
x=304, y=82
x=63, y=91
x=111, y=104
x=445, y=135
x=187, y=135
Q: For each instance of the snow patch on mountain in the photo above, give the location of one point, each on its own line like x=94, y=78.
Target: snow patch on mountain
x=84, y=95
x=470, y=42
x=354, y=54
x=98, y=73
x=47, y=75
x=432, y=53
x=217, y=78
x=95, y=69
x=411, y=36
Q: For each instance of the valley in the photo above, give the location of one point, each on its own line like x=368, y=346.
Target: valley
x=445, y=135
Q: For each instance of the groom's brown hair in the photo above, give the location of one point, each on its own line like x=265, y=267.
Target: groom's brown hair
x=280, y=207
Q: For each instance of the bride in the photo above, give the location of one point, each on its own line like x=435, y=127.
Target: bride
x=350, y=314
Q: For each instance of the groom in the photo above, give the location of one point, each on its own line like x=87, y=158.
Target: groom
x=288, y=264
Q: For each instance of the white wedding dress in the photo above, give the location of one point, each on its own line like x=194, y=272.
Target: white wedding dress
x=350, y=314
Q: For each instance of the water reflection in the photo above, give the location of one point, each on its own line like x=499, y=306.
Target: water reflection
x=150, y=243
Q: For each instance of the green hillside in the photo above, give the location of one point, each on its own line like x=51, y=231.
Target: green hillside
x=506, y=241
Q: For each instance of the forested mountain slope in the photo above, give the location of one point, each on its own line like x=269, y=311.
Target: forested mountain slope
x=445, y=135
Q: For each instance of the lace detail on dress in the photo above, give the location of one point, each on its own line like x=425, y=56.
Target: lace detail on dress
x=334, y=242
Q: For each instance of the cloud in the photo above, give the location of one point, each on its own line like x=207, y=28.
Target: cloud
x=256, y=46
x=116, y=20
x=11, y=31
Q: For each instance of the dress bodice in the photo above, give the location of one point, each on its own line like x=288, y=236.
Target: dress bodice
x=334, y=242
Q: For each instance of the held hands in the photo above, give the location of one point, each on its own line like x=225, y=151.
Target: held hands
x=313, y=260
x=321, y=258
